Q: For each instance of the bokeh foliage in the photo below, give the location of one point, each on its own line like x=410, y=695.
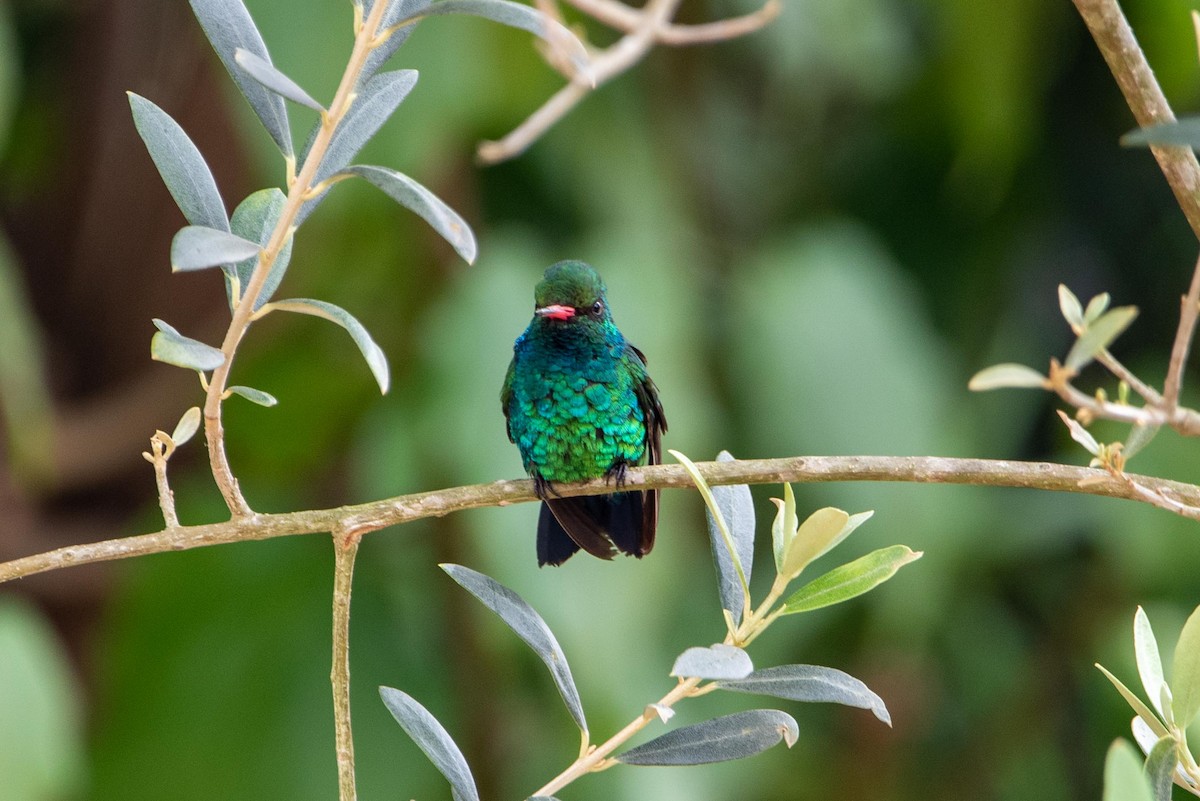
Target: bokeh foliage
x=817, y=234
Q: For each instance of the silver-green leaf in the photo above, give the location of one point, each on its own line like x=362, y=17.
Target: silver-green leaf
x=423, y=203
x=432, y=738
x=171, y=347
x=376, y=102
x=255, y=395
x=397, y=35
x=1072, y=310
x=1098, y=336
x=180, y=164
x=1005, y=376
x=813, y=684
x=719, y=661
x=737, y=509
x=850, y=580
x=376, y=360
x=229, y=26
x=255, y=219
x=1123, y=779
x=187, y=426
x=269, y=76
x=718, y=740
x=1160, y=766
x=1183, y=132
x=1149, y=663
x=515, y=15
x=196, y=247
x=528, y=625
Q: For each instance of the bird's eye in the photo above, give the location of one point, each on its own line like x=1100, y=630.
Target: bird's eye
x=598, y=308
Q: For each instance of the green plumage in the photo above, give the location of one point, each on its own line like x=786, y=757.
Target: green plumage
x=580, y=405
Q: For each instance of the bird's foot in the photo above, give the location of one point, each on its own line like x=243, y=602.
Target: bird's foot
x=543, y=488
x=616, y=474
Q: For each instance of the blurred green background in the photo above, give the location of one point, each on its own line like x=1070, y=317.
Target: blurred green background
x=816, y=233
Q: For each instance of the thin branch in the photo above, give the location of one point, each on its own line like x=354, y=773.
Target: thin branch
x=243, y=314
x=1190, y=305
x=643, y=29
x=345, y=548
x=375, y=515
x=1120, y=49
x=158, y=455
x=1123, y=373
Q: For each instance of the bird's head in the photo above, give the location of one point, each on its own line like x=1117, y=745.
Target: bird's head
x=571, y=292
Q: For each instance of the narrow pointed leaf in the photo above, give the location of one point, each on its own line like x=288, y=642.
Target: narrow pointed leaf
x=1143, y=712
x=376, y=102
x=423, y=203
x=718, y=740
x=171, y=347
x=731, y=582
x=1183, y=132
x=374, y=355
x=1099, y=335
x=529, y=626
x=1080, y=434
x=815, y=536
x=852, y=524
x=180, y=164
x=228, y=26
x=432, y=738
x=187, y=426
x=1149, y=663
x=270, y=77
x=515, y=15
x=255, y=395
x=1160, y=766
x=1185, y=672
x=851, y=579
x=812, y=684
x=196, y=247
x=1072, y=311
x=255, y=219
x=719, y=661
x=1004, y=376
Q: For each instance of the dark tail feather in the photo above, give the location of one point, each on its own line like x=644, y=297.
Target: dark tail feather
x=554, y=546
x=595, y=523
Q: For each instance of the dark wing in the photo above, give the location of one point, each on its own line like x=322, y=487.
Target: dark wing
x=506, y=397
x=656, y=424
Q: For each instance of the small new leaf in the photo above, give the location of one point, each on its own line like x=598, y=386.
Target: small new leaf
x=1072, y=311
x=719, y=661
x=783, y=529
x=432, y=738
x=528, y=625
x=1096, y=307
x=814, y=537
x=1098, y=336
x=374, y=355
x=196, y=247
x=811, y=683
x=269, y=76
x=187, y=426
x=255, y=395
x=1185, y=672
x=1003, y=376
x=850, y=580
x=1080, y=434
x=171, y=347
x=718, y=740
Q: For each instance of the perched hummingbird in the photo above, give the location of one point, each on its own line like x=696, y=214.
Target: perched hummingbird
x=580, y=404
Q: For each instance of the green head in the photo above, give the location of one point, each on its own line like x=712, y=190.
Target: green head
x=571, y=290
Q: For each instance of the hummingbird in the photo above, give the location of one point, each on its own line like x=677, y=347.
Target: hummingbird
x=579, y=404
